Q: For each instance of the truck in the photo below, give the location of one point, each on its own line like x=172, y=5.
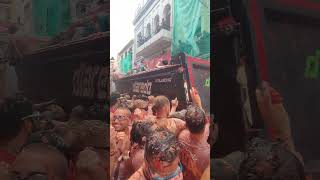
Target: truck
x=173, y=81
x=73, y=73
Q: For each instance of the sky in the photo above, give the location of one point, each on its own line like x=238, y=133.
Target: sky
x=121, y=24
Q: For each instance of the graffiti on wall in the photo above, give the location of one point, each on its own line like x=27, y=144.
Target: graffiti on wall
x=90, y=81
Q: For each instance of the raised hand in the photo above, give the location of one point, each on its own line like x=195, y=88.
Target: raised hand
x=195, y=97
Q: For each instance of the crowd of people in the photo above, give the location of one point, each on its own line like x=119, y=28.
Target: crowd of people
x=150, y=139
x=43, y=142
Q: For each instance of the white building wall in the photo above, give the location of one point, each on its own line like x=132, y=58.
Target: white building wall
x=157, y=8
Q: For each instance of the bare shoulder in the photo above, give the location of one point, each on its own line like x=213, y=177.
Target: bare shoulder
x=179, y=122
x=183, y=135
x=138, y=175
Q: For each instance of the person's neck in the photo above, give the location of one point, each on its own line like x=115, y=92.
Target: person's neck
x=161, y=115
x=198, y=138
x=126, y=131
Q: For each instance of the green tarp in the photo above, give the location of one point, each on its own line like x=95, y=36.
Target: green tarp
x=191, y=28
x=50, y=17
x=126, y=63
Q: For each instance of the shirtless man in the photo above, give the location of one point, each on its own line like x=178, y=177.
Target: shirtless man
x=161, y=158
x=161, y=109
x=195, y=150
x=139, y=110
x=120, y=142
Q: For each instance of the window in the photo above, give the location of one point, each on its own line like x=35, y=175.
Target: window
x=156, y=24
x=167, y=17
x=148, y=30
x=139, y=39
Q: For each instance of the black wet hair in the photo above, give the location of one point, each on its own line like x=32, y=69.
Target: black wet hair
x=12, y=110
x=140, y=130
x=266, y=160
x=162, y=145
x=114, y=98
x=179, y=115
x=195, y=119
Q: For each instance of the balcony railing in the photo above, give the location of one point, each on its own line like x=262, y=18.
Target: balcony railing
x=142, y=39
x=140, y=11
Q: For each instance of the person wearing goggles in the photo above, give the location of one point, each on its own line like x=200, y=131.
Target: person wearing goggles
x=120, y=137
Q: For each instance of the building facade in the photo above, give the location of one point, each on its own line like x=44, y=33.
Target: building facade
x=152, y=32
x=125, y=57
x=81, y=8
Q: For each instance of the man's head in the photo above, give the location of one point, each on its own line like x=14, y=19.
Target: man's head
x=179, y=115
x=40, y=161
x=139, y=114
x=121, y=119
x=269, y=160
x=162, y=153
x=139, y=109
x=140, y=131
x=195, y=119
x=161, y=106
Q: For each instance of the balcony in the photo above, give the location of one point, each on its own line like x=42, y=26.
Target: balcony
x=140, y=11
x=156, y=43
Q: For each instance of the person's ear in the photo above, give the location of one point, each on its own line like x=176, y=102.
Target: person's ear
x=28, y=126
